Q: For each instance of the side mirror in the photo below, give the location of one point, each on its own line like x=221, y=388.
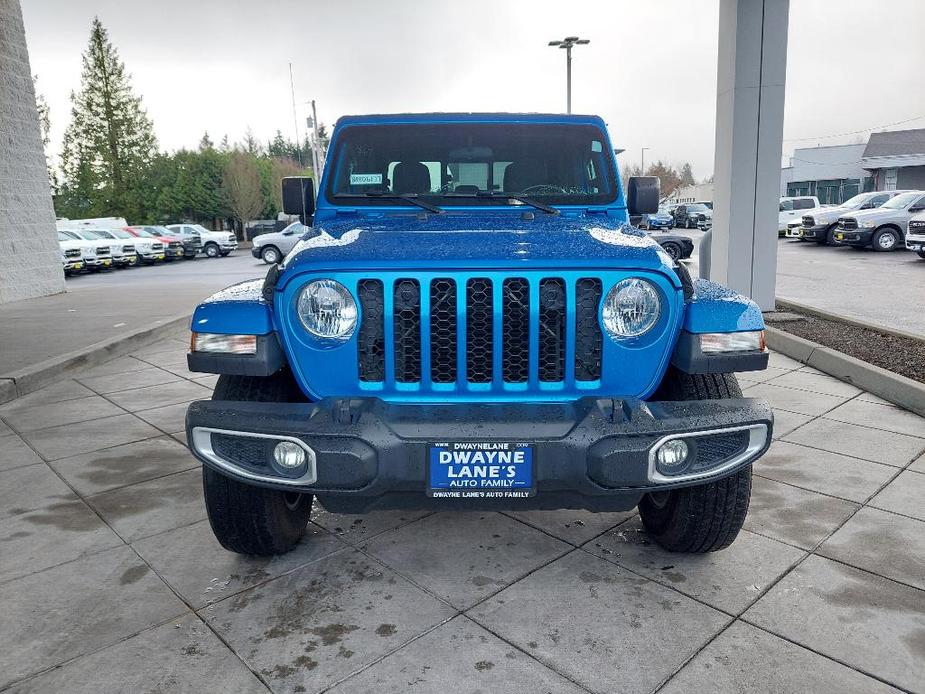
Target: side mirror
x=299, y=197
x=916, y=208
x=642, y=195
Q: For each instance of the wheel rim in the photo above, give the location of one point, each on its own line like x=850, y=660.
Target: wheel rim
x=886, y=240
x=211, y=251
x=269, y=255
x=659, y=499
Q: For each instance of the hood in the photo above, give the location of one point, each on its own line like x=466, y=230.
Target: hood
x=828, y=214
x=875, y=213
x=475, y=241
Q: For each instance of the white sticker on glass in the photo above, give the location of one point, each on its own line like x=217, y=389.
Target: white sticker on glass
x=365, y=179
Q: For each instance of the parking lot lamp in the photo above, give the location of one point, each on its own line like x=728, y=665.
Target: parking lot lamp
x=567, y=44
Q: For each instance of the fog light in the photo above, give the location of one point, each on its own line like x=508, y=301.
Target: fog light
x=671, y=457
x=289, y=455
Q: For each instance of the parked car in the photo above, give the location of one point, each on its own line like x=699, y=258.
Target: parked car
x=214, y=243
x=74, y=252
x=915, y=235
x=272, y=248
x=129, y=246
x=794, y=208
x=500, y=356
x=102, y=258
x=819, y=225
x=883, y=228
x=657, y=220
x=175, y=246
x=692, y=215
x=678, y=247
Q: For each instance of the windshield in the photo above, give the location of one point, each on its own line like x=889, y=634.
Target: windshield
x=103, y=234
x=857, y=200
x=901, y=201
x=295, y=228
x=198, y=228
x=143, y=234
x=67, y=236
x=88, y=235
x=120, y=234
x=697, y=207
x=452, y=163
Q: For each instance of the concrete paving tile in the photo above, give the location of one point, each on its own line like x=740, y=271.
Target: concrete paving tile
x=120, y=466
x=54, y=393
x=120, y=365
x=865, y=621
x=171, y=360
x=152, y=507
x=53, y=535
x=357, y=529
x=905, y=495
x=816, y=382
x=307, y=629
x=60, y=413
x=455, y=658
x=882, y=543
x=168, y=418
x=208, y=380
x=822, y=471
x=746, y=659
x=729, y=580
x=793, y=400
x=85, y=437
x=879, y=417
x=4, y=429
x=181, y=657
x=464, y=556
x=573, y=526
x=72, y=609
x=608, y=627
x=14, y=452
x=918, y=465
x=860, y=442
x=31, y=488
x=166, y=346
x=158, y=396
x=180, y=436
x=785, y=422
x=113, y=383
x=761, y=376
x=792, y=515
x=870, y=397
x=780, y=361
x=192, y=561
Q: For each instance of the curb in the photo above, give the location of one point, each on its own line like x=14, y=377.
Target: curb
x=28, y=379
x=897, y=389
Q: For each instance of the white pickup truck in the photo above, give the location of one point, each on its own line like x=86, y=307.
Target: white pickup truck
x=793, y=208
x=214, y=243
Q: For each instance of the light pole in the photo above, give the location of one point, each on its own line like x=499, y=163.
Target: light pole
x=642, y=170
x=567, y=44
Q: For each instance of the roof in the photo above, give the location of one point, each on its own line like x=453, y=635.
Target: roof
x=471, y=117
x=895, y=143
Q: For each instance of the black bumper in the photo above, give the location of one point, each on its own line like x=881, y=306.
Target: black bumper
x=256, y=251
x=595, y=454
x=853, y=237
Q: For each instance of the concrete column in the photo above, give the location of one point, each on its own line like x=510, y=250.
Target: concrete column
x=30, y=261
x=749, y=131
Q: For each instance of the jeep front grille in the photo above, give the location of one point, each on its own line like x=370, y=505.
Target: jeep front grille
x=476, y=330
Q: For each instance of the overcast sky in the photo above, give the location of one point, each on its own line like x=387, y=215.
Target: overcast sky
x=650, y=70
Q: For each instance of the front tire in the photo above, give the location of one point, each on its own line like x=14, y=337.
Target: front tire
x=706, y=517
x=211, y=250
x=885, y=240
x=920, y=254
x=673, y=250
x=248, y=519
x=270, y=255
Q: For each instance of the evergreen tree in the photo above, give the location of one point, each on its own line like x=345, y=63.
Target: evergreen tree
x=45, y=123
x=250, y=144
x=206, y=142
x=110, y=141
x=687, y=175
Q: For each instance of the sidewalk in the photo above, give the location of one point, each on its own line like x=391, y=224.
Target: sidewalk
x=111, y=579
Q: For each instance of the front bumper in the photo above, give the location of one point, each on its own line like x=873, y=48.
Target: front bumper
x=853, y=237
x=596, y=454
x=817, y=232
x=915, y=242
x=794, y=233
x=256, y=251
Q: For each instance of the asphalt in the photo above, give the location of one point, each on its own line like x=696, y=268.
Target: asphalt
x=102, y=306
x=111, y=580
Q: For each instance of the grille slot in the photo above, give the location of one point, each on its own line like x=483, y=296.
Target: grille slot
x=588, y=338
x=443, y=330
x=552, y=330
x=406, y=314
x=371, y=338
x=479, y=330
x=715, y=448
x=516, y=322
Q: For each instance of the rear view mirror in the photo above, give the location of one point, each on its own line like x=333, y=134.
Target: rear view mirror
x=642, y=193
x=299, y=197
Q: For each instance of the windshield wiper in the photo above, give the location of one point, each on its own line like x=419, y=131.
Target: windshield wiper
x=548, y=209
x=406, y=197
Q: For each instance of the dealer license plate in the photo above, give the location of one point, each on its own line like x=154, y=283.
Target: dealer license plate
x=839, y=236
x=482, y=470
x=916, y=247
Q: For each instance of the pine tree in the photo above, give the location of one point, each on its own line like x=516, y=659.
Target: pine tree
x=206, y=142
x=110, y=141
x=45, y=123
x=687, y=175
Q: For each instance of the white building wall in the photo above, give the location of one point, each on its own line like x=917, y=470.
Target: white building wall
x=826, y=163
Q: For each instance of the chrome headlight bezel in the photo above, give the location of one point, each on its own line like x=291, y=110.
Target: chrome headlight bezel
x=631, y=291
x=316, y=306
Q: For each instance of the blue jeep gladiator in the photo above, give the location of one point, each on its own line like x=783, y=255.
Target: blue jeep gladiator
x=471, y=323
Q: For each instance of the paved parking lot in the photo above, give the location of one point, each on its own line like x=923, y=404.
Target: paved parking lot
x=111, y=581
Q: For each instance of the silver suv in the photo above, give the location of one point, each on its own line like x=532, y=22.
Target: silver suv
x=884, y=228
x=273, y=247
x=819, y=225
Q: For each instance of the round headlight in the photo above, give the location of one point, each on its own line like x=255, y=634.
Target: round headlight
x=631, y=308
x=327, y=309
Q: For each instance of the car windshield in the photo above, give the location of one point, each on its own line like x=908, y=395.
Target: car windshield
x=199, y=229
x=120, y=234
x=103, y=234
x=144, y=234
x=697, y=207
x=471, y=163
x=67, y=236
x=295, y=228
x=88, y=235
x=901, y=201
x=857, y=200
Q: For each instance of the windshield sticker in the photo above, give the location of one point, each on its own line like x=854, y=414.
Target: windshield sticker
x=370, y=179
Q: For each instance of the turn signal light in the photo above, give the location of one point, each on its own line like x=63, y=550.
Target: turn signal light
x=225, y=344
x=716, y=343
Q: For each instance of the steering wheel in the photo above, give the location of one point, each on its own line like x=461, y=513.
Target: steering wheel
x=545, y=188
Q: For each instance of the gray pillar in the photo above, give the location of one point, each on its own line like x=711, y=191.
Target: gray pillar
x=749, y=132
x=30, y=261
